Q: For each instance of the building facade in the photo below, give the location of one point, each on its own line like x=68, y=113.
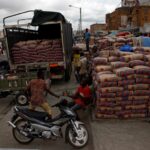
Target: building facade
x=97, y=27
x=133, y=17
x=118, y=18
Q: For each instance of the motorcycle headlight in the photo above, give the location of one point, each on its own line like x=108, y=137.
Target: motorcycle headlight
x=69, y=112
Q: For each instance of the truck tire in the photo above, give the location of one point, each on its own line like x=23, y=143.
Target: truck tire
x=21, y=99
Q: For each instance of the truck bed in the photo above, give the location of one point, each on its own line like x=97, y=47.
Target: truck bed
x=29, y=46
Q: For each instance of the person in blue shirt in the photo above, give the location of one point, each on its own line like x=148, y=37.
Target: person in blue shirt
x=87, y=38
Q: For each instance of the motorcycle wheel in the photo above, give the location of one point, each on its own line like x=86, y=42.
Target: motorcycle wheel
x=78, y=141
x=21, y=99
x=21, y=126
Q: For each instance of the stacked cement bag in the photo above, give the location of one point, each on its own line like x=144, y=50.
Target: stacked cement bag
x=37, y=51
x=142, y=50
x=122, y=85
x=120, y=41
x=104, y=80
x=103, y=43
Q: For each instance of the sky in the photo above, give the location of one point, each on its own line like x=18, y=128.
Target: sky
x=93, y=11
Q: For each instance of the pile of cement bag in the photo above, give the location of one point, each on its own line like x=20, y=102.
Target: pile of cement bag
x=37, y=51
x=122, y=84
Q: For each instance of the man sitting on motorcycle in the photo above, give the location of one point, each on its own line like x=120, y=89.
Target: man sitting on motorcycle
x=82, y=96
x=35, y=90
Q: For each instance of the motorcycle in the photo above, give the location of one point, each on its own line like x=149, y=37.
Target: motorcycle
x=28, y=125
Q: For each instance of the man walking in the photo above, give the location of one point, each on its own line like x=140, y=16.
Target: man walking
x=87, y=38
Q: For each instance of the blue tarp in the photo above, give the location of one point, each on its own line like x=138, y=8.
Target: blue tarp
x=145, y=41
x=126, y=48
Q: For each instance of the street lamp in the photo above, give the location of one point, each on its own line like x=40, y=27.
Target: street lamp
x=80, y=20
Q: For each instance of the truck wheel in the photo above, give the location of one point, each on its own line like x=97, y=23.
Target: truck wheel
x=21, y=99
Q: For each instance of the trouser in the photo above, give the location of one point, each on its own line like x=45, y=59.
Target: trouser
x=45, y=106
x=76, y=72
x=75, y=107
x=87, y=44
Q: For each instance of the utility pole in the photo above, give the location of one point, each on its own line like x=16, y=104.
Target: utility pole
x=80, y=19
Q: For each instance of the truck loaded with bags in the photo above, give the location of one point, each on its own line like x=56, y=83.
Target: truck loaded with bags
x=44, y=42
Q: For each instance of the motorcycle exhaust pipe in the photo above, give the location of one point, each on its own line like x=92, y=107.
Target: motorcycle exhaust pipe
x=11, y=124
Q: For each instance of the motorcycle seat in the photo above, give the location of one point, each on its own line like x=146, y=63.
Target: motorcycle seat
x=43, y=116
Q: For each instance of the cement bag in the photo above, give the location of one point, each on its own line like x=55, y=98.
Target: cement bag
x=138, y=115
x=101, y=73
x=118, y=64
x=126, y=82
x=100, y=61
x=32, y=46
x=102, y=116
x=42, y=47
x=142, y=93
x=146, y=49
x=107, y=78
x=107, y=99
x=26, y=49
x=124, y=94
x=134, y=63
x=147, y=64
x=111, y=89
x=142, y=70
x=46, y=42
x=101, y=68
x=113, y=59
x=126, y=58
x=134, y=116
x=56, y=42
x=104, y=72
x=114, y=53
x=147, y=57
x=125, y=53
x=121, y=39
x=141, y=106
x=123, y=103
x=140, y=102
x=107, y=84
x=34, y=42
x=138, y=57
x=106, y=104
x=138, y=87
x=142, y=81
x=129, y=77
x=140, y=110
x=123, y=112
x=123, y=72
x=105, y=111
x=118, y=44
x=107, y=95
x=104, y=53
x=20, y=44
x=141, y=76
x=126, y=98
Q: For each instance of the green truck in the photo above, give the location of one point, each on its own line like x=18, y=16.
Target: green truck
x=43, y=41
